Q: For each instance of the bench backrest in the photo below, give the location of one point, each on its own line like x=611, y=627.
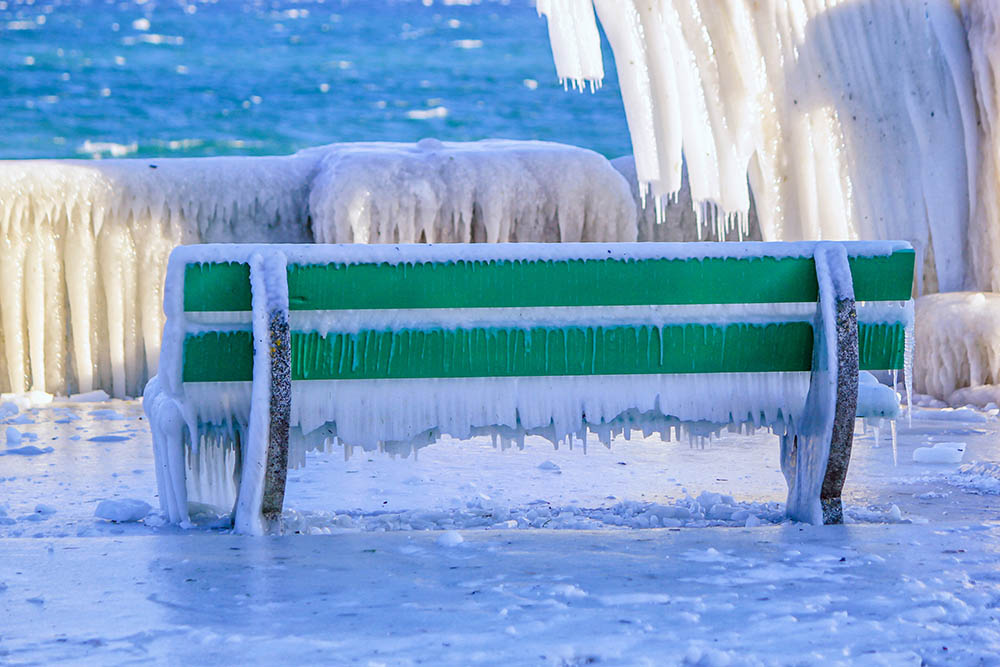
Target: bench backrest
x=452, y=311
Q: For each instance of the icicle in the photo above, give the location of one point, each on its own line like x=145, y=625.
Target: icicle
x=892, y=430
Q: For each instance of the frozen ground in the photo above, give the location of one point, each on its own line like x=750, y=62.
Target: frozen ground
x=658, y=566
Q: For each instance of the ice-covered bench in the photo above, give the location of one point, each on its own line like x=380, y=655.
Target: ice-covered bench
x=270, y=350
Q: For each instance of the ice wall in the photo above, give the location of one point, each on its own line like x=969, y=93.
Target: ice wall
x=852, y=118
x=982, y=21
x=84, y=244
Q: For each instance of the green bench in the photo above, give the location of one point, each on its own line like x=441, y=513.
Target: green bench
x=269, y=350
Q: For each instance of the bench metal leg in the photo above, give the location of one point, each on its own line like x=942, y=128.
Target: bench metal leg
x=845, y=412
x=815, y=457
x=280, y=416
x=264, y=451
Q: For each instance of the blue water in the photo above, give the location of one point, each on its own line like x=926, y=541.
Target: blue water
x=249, y=77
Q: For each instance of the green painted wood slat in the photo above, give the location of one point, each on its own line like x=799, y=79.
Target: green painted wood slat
x=481, y=352
x=475, y=284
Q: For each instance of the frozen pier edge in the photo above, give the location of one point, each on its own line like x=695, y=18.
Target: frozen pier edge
x=271, y=350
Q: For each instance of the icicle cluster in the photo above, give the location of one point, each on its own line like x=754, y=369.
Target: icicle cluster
x=851, y=119
x=83, y=251
x=83, y=245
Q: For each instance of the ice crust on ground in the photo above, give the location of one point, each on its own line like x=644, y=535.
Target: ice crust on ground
x=794, y=96
x=915, y=573
x=84, y=244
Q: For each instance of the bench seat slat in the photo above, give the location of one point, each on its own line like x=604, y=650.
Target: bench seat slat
x=539, y=283
x=510, y=352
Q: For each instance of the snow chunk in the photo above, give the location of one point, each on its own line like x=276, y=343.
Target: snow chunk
x=122, y=511
x=8, y=410
x=29, y=399
x=940, y=452
x=13, y=437
x=450, y=538
x=96, y=396
x=549, y=466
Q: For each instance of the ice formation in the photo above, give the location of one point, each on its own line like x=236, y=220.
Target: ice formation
x=852, y=119
x=434, y=192
x=679, y=220
x=958, y=345
x=83, y=244
x=198, y=427
x=982, y=21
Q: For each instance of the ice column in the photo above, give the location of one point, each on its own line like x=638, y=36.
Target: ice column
x=853, y=119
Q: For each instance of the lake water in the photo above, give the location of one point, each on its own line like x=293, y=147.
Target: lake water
x=181, y=78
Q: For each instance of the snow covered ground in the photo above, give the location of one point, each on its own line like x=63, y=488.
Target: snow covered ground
x=655, y=553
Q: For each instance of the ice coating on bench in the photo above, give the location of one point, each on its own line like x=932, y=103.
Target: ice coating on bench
x=398, y=415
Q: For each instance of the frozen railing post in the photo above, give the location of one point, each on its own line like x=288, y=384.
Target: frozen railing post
x=272, y=350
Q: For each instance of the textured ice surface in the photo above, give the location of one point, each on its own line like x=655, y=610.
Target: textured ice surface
x=851, y=119
x=84, y=244
x=957, y=344
x=488, y=191
x=982, y=22
x=542, y=556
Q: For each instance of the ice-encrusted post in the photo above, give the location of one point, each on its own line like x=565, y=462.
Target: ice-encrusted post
x=814, y=459
x=842, y=436
x=265, y=457
x=280, y=410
